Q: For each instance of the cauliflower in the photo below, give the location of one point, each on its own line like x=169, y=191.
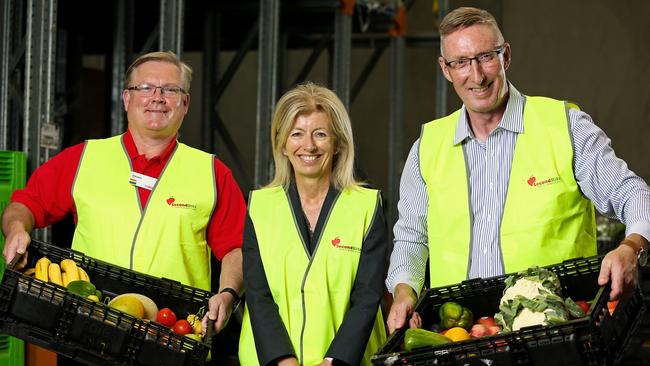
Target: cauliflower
x=523, y=287
x=527, y=318
x=532, y=298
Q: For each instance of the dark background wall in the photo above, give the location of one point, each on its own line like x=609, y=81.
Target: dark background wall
x=594, y=53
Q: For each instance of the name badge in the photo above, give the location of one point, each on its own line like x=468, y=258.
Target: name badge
x=142, y=181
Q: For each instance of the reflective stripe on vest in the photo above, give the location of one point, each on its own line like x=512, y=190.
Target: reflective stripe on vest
x=167, y=238
x=312, y=294
x=546, y=219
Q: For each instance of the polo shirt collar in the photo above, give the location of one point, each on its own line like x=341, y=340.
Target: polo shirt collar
x=512, y=119
x=132, y=150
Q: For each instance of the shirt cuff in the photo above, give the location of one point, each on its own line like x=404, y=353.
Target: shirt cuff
x=642, y=228
x=405, y=278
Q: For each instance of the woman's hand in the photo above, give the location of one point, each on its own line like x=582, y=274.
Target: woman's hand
x=288, y=361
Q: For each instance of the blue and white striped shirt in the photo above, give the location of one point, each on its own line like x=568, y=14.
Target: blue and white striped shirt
x=602, y=177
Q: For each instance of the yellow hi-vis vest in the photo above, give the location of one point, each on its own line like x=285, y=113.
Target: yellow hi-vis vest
x=546, y=219
x=312, y=294
x=165, y=239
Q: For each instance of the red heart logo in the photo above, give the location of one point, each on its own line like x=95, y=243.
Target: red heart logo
x=170, y=200
x=531, y=181
x=336, y=241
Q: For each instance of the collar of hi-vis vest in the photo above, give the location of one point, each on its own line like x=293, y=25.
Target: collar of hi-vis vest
x=512, y=120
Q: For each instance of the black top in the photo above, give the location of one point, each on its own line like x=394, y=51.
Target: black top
x=348, y=346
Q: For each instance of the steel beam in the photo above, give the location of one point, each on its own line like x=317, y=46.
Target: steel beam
x=312, y=59
x=395, y=124
x=236, y=61
x=365, y=73
x=13, y=38
x=267, y=87
x=441, y=82
x=121, y=41
x=211, y=50
x=5, y=34
x=171, y=26
x=341, y=57
x=42, y=137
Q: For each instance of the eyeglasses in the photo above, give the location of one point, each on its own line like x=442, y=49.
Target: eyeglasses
x=486, y=58
x=168, y=91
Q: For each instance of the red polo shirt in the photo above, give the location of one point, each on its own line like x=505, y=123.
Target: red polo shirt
x=48, y=194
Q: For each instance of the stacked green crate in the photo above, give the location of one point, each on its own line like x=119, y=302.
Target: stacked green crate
x=12, y=177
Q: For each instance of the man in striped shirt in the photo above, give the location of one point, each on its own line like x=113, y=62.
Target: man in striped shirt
x=507, y=182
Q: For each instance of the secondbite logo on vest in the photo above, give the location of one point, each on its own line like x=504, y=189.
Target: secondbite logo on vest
x=171, y=201
x=336, y=243
x=533, y=182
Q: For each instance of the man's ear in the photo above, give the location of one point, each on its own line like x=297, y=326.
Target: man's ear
x=186, y=102
x=444, y=68
x=507, y=55
x=126, y=97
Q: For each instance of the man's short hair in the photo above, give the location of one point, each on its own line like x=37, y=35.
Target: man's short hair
x=163, y=56
x=464, y=17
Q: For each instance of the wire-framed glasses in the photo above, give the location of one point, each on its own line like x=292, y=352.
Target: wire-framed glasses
x=486, y=58
x=167, y=91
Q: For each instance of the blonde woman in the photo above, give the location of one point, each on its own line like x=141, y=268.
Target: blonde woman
x=314, y=244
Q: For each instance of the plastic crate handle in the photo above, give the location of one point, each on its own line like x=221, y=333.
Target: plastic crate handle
x=209, y=332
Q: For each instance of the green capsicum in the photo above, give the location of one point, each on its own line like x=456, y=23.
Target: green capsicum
x=416, y=338
x=452, y=314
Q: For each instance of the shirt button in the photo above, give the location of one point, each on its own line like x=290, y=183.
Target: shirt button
x=484, y=251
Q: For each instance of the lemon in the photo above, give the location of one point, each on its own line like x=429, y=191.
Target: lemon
x=128, y=304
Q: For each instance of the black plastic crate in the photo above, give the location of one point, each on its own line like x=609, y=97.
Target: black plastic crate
x=93, y=333
x=597, y=339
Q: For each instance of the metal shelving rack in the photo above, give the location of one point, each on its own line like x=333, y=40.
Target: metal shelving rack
x=28, y=121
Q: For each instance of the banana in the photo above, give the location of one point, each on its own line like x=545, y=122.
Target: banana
x=65, y=279
x=70, y=267
x=83, y=275
x=29, y=271
x=41, y=269
x=54, y=274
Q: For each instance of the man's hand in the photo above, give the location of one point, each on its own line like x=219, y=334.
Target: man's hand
x=619, y=267
x=16, y=244
x=403, y=306
x=220, y=305
x=17, y=222
x=219, y=310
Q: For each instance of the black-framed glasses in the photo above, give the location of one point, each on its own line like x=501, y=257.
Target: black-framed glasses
x=485, y=58
x=168, y=91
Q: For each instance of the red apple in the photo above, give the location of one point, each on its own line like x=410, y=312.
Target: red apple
x=494, y=329
x=487, y=321
x=479, y=330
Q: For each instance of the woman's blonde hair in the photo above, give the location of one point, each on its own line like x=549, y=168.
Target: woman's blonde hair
x=305, y=99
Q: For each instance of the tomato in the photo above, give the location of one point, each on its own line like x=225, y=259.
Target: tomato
x=584, y=306
x=166, y=317
x=182, y=327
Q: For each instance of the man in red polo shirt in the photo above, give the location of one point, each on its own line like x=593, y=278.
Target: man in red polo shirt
x=142, y=200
